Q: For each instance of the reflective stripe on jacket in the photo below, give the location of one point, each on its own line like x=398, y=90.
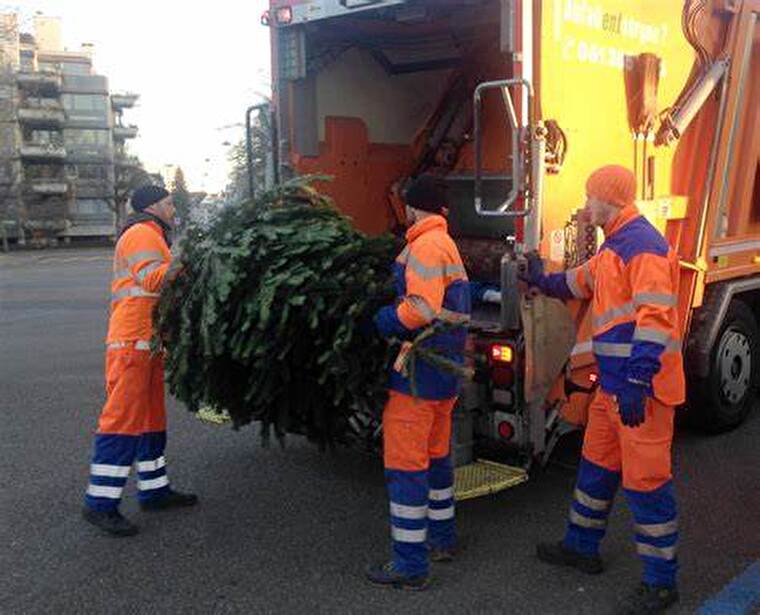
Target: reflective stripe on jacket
x=432, y=285
x=140, y=263
x=633, y=285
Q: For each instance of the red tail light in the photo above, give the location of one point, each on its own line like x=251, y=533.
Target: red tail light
x=501, y=353
x=506, y=430
x=283, y=15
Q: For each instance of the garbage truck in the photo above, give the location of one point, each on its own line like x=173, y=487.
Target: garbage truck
x=512, y=103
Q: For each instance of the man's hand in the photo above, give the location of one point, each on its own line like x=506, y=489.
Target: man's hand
x=175, y=269
x=532, y=270
x=632, y=403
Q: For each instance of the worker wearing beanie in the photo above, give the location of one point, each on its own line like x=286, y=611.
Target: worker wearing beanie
x=132, y=425
x=633, y=283
x=432, y=286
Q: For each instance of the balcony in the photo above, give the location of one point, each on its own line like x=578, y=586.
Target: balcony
x=48, y=186
x=125, y=161
x=40, y=80
x=124, y=132
x=43, y=151
x=41, y=114
x=125, y=100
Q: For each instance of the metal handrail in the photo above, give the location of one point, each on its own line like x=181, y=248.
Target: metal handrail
x=517, y=166
x=249, y=143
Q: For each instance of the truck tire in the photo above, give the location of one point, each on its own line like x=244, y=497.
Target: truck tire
x=723, y=399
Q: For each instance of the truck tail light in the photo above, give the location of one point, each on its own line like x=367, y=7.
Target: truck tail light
x=501, y=353
x=506, y=430
x=283, y=15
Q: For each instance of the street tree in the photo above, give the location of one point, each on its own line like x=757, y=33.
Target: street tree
x=182, y=199
x=261, y=149
x=128, y=177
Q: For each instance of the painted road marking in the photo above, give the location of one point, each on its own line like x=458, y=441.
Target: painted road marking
x=738, y=597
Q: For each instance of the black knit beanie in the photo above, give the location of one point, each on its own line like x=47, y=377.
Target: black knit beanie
x=145, y=196
x=427, y=193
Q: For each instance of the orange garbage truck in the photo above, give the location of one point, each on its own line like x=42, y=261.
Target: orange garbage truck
x=512, y=103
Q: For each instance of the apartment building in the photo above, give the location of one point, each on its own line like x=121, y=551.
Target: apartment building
x=64, y=138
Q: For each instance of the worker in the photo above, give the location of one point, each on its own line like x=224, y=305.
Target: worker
x=633, y=285
x=132, y=425
x=432, y=287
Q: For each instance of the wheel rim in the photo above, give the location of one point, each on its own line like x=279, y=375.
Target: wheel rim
x=735, y=365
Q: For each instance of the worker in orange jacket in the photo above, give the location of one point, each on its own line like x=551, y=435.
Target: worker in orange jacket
x=632, y=283
x=431, y=286
x=132, y=425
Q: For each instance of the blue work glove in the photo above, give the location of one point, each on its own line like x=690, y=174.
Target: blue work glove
x=533, y=271
x=387, y=322
x=632, y=403
x=481, y=292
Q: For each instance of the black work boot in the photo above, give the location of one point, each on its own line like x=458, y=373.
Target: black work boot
x=171, y=499
x=558, y=554
x=386, y=575
x=648, y=599
x=109, y=521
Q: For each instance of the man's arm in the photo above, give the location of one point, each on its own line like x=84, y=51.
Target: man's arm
x=577, y=283
x=426, y=272
x=146, y=260
x=655, y=302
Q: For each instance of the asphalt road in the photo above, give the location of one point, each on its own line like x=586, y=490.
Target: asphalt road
x=287, y=530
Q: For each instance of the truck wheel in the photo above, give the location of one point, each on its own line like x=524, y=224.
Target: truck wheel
x=724, y=399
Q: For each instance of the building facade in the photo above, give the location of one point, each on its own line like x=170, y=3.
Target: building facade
x=63, y=138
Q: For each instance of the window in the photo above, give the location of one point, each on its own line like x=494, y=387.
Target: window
x=43, y=171
x=98, y=138
x=48, y=66
x=26, y=60
x=95, y=172
x=6, y=172
x=91, y=206
x=43, y=137
x=85, y=102
x=76, y=68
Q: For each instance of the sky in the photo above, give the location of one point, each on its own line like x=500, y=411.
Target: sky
x=196, y=66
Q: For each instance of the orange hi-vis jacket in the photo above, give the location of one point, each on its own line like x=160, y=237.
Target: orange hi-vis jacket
x=431, y=285
x=632, y=283
x=140, y=264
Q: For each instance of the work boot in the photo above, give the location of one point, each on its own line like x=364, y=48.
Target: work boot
x=386, y=575
x=558, y=554
x=109, y=521
x=647, y=600
x=442, y=555
x=171, y=499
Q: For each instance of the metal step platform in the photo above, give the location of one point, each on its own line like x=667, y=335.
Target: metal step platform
x=484, y=477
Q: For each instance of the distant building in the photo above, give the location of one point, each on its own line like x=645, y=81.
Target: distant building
x=63, y=136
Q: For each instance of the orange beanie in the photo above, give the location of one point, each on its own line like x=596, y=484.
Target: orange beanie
x=612, y=184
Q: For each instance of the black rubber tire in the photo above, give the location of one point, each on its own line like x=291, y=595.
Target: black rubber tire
x=713, y=408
